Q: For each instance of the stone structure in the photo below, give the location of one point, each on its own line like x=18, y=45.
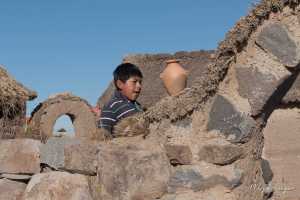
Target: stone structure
x=44, y=116
x=206, y=143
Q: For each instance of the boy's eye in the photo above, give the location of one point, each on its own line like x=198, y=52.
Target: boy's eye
x=137, y=81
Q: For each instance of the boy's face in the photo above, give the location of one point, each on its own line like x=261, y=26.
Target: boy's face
x=131, y=88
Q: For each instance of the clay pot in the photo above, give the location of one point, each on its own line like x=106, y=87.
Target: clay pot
x=174, y=77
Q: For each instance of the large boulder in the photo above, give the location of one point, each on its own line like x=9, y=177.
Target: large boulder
x=20, y=156
x=132, y=169
x=58, y=186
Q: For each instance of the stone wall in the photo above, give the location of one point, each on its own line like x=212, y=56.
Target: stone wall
x=206, y=143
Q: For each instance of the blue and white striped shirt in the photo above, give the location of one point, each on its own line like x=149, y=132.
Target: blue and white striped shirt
x=116, y=109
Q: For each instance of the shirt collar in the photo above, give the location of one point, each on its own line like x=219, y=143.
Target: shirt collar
x=119, y=95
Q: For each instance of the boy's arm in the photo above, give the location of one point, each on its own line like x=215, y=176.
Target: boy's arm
x=107, y=120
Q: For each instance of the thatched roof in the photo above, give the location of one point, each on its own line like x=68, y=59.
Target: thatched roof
x=11, y=91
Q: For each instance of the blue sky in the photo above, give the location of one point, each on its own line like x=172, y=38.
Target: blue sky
x=74, y=45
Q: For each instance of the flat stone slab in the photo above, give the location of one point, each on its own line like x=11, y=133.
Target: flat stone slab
x=20, y=156
x=16, y=177
x=70, y=154
x=11, y=190
x=275, y=39
x=58, y=186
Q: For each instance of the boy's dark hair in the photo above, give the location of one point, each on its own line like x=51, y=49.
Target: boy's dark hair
x=124, y=71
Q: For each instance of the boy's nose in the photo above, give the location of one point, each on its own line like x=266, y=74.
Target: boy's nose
x=139, y=85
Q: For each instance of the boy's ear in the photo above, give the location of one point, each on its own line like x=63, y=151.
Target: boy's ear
x=120, y=84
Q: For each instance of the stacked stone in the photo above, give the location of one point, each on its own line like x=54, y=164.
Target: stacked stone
x=215, y=152
x=24, y=175
x=73, y=168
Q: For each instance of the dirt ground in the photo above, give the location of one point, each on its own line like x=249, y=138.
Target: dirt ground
x=282, y=150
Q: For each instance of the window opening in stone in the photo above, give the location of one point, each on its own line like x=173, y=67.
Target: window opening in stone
x=64, y=126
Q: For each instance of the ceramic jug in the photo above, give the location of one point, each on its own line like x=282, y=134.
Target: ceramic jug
x=174, y=77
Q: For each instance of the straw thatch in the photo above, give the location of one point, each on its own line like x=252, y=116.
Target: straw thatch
x=12, y=91
x=13, y=97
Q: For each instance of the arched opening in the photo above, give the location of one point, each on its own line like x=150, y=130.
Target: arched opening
x=64, y=126
x=281, y=150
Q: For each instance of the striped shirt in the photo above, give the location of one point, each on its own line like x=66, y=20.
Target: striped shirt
x=116, y=109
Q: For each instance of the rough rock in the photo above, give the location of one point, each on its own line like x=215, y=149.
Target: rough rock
x=226, y=119
x=185, y=178
x=267, y=171
x=275, y=39
x=70, y=154
x=11, y=190
x=179, y=154
x=20, y=156
x=220, y=154
x=293, y=95
x=202, y=177
x=58, y=186
x=132, y=169
x=258, y=87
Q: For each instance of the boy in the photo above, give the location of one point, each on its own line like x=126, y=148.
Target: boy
x=128, y=83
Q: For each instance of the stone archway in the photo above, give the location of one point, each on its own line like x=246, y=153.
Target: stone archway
x=45, y=115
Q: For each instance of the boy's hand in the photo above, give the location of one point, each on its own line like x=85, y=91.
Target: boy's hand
x=96, y=110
